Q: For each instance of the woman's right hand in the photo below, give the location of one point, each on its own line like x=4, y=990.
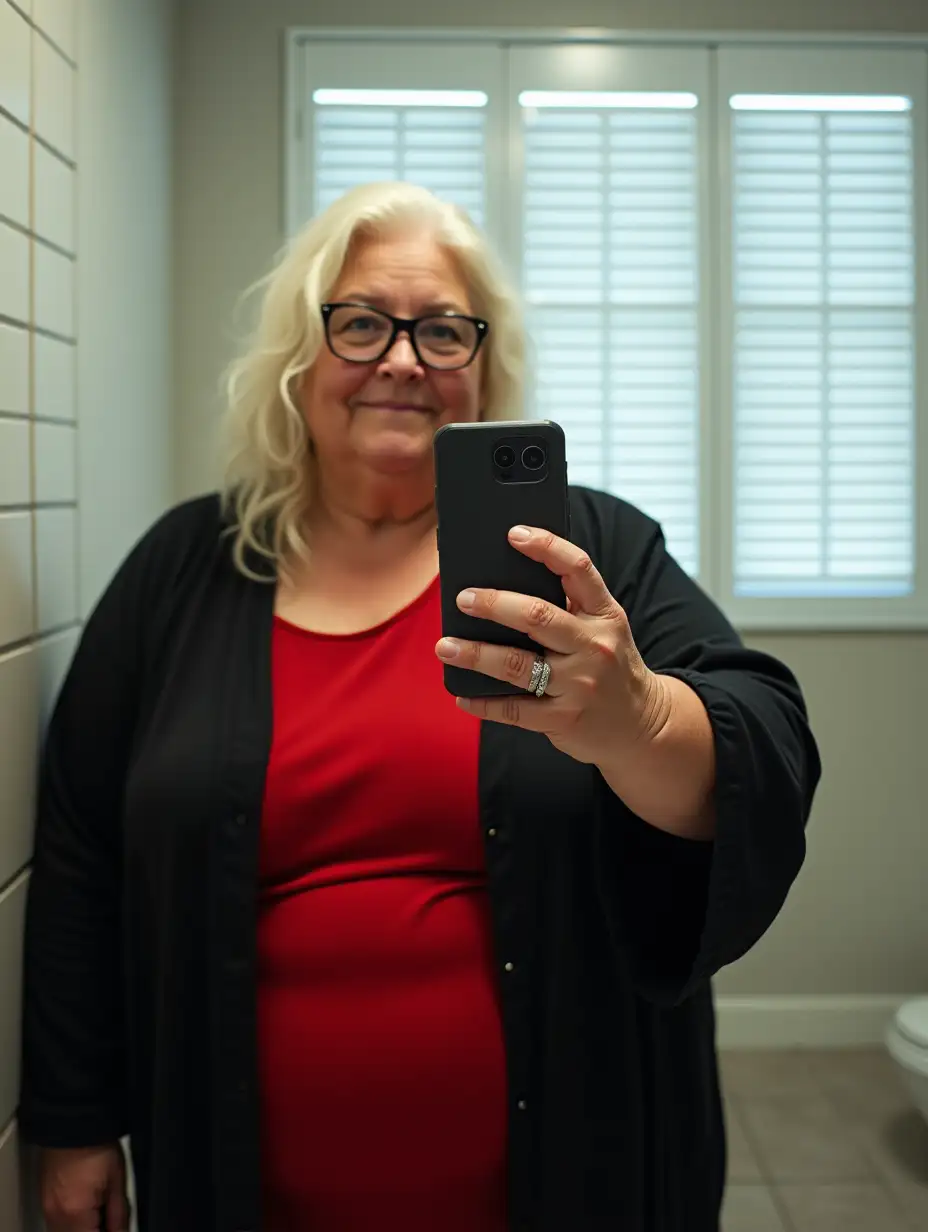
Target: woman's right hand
x=84, y=1189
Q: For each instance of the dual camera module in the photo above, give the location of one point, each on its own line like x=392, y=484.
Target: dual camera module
x=520, y=461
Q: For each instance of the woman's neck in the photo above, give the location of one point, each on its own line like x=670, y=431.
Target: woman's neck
x=358, y=538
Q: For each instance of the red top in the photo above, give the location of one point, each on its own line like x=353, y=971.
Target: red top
x=381, y=1047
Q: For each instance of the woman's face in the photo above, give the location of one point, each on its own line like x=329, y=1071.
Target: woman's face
x=379, y=418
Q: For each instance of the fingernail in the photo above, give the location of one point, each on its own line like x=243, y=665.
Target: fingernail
x=467, y=598
x=448, y=648
x=520, y=534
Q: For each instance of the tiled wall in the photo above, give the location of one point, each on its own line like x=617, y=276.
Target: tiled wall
x=38, y=460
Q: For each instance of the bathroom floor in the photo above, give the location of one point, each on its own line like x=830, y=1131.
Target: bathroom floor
x=822, y=1142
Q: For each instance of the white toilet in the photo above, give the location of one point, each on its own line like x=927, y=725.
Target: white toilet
x=907, y=1041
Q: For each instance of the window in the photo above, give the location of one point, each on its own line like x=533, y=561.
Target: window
x=724, y=300
x=434, y=137
x=824, y=292
x=823, y=314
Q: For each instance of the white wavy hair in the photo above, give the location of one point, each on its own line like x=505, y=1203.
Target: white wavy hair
x=268, y=471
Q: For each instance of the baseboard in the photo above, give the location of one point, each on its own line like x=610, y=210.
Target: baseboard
x=804, y=1022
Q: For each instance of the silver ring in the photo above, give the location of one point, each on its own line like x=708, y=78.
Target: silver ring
x=541, y=674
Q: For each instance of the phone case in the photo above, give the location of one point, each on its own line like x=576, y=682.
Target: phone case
x=476, y=510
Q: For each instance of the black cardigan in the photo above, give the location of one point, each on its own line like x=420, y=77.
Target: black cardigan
x=140, y=985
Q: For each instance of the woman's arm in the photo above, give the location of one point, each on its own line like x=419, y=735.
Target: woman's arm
x=668, y=778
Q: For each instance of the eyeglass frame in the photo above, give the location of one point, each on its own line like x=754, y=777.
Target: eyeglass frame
x=407, y=326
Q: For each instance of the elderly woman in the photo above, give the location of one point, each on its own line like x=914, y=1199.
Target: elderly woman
x=335, y=952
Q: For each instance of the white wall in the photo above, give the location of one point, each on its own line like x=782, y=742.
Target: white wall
x=85, y=381
x=125, y=373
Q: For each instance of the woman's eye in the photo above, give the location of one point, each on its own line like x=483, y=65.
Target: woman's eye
x=442, y=333
x=360, y=324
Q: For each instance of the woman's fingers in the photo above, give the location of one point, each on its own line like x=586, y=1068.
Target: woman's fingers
x=582, y=581
x=544, y=622
x=117, y=1210
x=501, y=662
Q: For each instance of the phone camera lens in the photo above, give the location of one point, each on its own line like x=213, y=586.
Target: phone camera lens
x=533, y=458
x=504, y=457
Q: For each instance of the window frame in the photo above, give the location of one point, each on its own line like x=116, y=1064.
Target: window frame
x=504, y=162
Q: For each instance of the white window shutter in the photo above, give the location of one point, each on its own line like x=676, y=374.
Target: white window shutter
x=441, y=148
x=824, y=351
x=610, y=258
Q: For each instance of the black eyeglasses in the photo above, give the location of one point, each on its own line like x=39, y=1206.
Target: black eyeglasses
x=363, y=335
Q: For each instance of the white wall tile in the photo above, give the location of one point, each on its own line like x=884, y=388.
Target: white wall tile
x=54, y=98
x=54, y=291
x=55, y=463
x=54, y=378
x=15, y=578
x=56, y=581
x=14, y=273
x=54, y=199
x=12, y=920
x=19, y=725
x=14, y=370
x=57, y=19
x=15, y=36
x=55, y=655
x=11, y=1202
x=15, y=488
x=14, y=172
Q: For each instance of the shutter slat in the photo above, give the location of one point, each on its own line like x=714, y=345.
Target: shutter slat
x=823, y=249
x=441, y=148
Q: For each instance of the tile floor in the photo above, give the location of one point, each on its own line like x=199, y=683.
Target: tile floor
x=822, y=1142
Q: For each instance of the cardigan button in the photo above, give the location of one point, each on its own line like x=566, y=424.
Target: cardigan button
x=491, y=833
x=509, y=967
x=522, y=1105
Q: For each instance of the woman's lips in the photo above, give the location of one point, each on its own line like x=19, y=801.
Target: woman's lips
x=395, y=406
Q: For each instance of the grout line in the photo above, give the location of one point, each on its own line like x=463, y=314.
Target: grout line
x=47, y=38
x=767, y=1178
x=860, y=1136
x=30, y=21
x=21, y=875
x=30, y=232
x=53, y=419
x=53, y=150
x=37, y=329
x=53, y=247
x=35, y=506
x=22, y=643
x=22, y=125
x=36, y=640
x=20, y=416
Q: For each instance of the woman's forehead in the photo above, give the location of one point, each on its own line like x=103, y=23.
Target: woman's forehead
x=409, y=262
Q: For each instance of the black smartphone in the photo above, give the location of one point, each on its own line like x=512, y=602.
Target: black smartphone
x=490, y=477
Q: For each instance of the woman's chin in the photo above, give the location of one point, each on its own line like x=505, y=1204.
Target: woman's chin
x=395, y=453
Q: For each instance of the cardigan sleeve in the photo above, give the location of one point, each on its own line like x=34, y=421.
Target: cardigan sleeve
x=74, y=1047
x=681, y=909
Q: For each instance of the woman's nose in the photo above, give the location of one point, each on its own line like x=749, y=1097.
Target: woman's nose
x=402, y=355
